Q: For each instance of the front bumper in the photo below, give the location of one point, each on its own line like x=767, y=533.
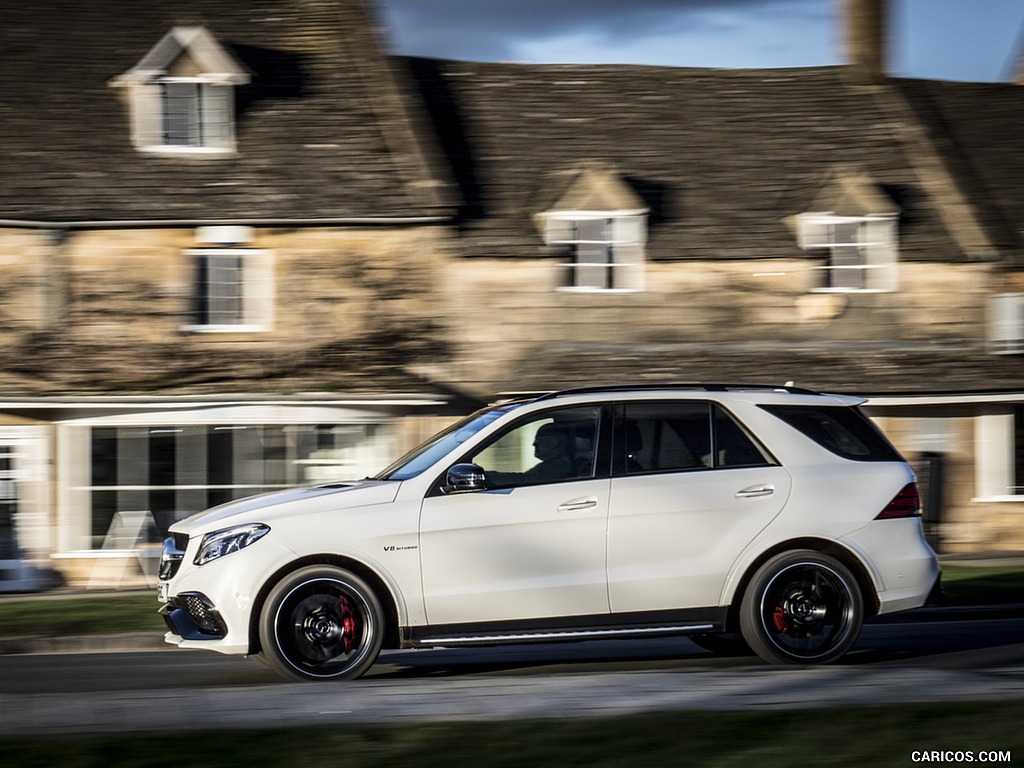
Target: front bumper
x=193, y=616
x=210, y=606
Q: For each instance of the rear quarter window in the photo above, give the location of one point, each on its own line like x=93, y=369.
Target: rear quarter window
x=843, y=430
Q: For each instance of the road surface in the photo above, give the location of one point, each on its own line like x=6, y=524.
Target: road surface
x=172, y=690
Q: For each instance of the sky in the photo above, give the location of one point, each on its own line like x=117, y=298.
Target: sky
x=971, y=40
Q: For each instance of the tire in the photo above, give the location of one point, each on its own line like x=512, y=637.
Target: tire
x=321, y=623
x=802, y=607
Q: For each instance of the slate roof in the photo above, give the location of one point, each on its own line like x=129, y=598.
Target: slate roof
x=322, y=130
x=327, y=130
x=722, y=157
x=979, y=127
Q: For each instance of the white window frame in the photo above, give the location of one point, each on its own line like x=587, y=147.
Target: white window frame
x=874, y=251
x=612, y=263
x=210, y=116
x=995, y=466
x=256, y=295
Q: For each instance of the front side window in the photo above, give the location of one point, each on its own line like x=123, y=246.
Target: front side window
x=855, y=253
x=233, y=289
x=601, y=252
x=552, y=447
x=428, y=453
x=683, y=436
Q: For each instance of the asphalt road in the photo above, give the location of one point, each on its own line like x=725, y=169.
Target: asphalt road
x=170, y=690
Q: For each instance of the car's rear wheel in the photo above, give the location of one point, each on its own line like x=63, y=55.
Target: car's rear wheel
x=802, y=607
x=322, y=623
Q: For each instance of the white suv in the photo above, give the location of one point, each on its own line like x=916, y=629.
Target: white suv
x=770, y=516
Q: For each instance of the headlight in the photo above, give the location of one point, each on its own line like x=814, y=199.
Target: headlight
x=220, y=543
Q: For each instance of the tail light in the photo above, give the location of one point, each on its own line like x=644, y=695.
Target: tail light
x=906, y=503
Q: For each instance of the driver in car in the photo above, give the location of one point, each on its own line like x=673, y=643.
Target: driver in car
x=553, y=446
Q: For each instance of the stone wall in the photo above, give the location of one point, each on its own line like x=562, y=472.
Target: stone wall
x=26, y=286
x=510, y=316
x=112, y=310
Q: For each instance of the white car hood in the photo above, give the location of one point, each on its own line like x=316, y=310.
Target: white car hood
x=278, y=504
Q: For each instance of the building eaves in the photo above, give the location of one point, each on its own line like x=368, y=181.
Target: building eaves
x=840, y=367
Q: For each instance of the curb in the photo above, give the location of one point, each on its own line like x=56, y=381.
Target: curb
x=951, y=613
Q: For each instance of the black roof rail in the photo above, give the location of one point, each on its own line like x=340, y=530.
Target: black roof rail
x=706, y=386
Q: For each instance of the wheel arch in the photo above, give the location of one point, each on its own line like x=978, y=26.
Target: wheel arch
x=380, y=587
x=823, y=546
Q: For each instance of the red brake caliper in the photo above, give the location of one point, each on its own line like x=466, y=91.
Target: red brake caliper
x=348, y=625
x=779, y=618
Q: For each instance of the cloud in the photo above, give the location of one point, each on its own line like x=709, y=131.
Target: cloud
x=496, y=30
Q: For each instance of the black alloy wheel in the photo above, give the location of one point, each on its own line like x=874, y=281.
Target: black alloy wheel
x=802, y=607
x=322, y=623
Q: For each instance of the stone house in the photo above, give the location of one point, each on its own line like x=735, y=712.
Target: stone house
x=242, y=247
x=220, y=230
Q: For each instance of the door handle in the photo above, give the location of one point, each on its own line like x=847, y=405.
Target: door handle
x=578, y=504
x=756, y=491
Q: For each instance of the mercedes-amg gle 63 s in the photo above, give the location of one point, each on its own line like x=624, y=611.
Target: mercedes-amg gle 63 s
x=772, y=518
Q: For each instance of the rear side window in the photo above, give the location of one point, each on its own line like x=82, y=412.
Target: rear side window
x=845, y=431
x=682, y=436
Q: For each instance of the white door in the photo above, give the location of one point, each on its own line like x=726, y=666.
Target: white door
x=672, y=538
x=695, y=489
x=520, y=554
x=534, y=544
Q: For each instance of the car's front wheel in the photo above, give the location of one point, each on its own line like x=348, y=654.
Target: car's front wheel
x=802, y=607
x=322, y=623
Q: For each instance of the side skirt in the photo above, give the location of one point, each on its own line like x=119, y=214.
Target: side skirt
x=565, y=629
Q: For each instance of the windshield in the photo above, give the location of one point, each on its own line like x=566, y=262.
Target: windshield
x=424, y=456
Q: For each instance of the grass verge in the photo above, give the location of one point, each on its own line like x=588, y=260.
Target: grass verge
x=869, y=736
x=982, y=585
x=48, y=616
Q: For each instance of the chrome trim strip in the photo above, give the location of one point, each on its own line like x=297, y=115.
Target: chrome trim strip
x=566, y=635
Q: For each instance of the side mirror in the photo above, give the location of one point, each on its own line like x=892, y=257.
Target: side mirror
x=463, y=478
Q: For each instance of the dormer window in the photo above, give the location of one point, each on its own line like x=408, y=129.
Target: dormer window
x=851, y=231
x=857, y=253
x=599, y=230
x=192, y=114
x=182, y=94
x=602, y=250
